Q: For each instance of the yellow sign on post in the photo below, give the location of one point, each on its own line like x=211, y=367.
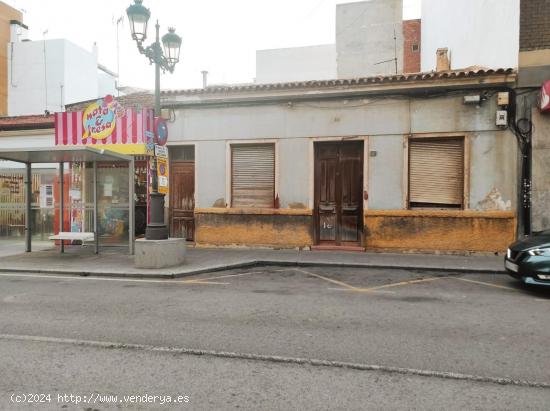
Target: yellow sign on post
x=162, y=173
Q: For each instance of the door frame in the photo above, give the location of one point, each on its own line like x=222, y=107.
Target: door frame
x=168, y=204
x=312, y=189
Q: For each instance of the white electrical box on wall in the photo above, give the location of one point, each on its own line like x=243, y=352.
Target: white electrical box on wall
x=502, y=118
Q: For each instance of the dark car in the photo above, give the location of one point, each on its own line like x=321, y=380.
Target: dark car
x=529, y=259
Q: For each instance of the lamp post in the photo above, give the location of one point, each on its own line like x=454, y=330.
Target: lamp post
x=138, y=15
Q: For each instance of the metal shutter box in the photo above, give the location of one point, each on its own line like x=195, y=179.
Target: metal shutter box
x=252, y=175
x=436, y=171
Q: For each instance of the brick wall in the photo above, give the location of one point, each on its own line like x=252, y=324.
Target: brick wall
x=411, y=46
x=535, y=25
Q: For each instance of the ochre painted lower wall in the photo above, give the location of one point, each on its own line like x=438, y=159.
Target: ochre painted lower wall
x=279, y=228
x=393, y=230
x=447, y=231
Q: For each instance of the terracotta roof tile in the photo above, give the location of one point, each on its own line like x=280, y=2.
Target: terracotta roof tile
x=134, y=100
x=39, y=121
x=398, y=78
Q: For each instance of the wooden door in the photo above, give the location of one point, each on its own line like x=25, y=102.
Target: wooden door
x=339, y=193
x=182, y=200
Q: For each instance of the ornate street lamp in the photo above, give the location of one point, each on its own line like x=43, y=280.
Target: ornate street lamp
x=138, y=15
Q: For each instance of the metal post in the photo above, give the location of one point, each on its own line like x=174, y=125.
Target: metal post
x=96, y=230
x=158, y=56
x=156, y=229
x=28, y=202
x=131, y=206
x=61, y=204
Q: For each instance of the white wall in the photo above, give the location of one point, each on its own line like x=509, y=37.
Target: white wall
x=81, y=76
x=365, y=38
x=106, y=84
x=20, y=140
x=477, y=32
x=296, y=64
x=27, y=76
x=493, y=152
x=70, y=73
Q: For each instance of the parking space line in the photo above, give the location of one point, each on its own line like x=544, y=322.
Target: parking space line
x=359, y=290
x=484, y=283
x=227, y=276
x=330, y=280
x=401, y=283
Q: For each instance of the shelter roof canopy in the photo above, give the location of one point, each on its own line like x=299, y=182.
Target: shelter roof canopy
x=61, y=155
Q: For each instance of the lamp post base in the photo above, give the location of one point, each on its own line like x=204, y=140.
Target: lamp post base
x=156, y=232
x=156, y=229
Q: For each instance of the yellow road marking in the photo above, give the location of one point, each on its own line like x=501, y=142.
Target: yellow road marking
x=483, y=283
x=129, y=280
x=226, y=276
x=330, y=280
x=401, y=283
x=359, y=290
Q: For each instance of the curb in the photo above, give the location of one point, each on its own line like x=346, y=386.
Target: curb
x=253, y=263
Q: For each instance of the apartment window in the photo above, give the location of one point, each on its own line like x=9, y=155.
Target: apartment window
x=252, y=175
x=436, y=172
x=415, y=48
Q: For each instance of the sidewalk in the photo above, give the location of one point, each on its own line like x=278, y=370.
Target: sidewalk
x=115, y=263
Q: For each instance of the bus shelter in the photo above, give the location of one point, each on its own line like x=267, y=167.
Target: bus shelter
x=73, y=154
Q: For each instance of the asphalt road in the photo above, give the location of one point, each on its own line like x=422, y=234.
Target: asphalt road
x=278, y=338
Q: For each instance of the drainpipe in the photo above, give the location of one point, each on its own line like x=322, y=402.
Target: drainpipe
x=523, y=130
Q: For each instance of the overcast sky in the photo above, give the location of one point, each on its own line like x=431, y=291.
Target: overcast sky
x=218, y=35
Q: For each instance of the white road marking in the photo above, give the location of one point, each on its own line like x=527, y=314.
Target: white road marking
x=450, y=375
x=131, y=280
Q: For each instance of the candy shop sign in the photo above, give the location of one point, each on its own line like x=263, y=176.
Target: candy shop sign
x=99, y=118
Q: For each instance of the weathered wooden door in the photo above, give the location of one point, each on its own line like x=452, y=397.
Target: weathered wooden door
x=182, y=199
x=339, y=193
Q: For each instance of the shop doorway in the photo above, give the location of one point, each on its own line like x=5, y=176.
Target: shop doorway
x=338, y=184
x=182, y=192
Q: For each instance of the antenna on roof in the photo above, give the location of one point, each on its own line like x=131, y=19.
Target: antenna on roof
x=120, y=20
x=45, y=70
x=394, y=59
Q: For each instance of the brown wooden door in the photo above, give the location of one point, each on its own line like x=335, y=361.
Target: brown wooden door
x=338, y=193
x=182, y=200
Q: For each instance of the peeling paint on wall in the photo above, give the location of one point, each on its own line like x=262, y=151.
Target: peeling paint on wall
x=264, y=230
x=219, y=203
x=494, y=201
x=447, y=231
x=297, y=206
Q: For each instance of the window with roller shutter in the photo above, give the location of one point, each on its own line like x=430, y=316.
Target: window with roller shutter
x=253, y=175
x=436, y=173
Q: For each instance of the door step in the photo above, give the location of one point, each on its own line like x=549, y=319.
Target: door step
x=337, y=248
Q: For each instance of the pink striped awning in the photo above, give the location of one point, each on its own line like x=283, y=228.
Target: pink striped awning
x=127, y=136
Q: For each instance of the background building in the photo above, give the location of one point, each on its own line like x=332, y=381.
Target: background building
x=534, y=69
x=47, y=75
x=371, y=39
x=476, y=33
x=8, y=16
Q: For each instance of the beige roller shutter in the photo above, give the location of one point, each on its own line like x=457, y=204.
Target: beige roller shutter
x=436, y=171
x=253, y=175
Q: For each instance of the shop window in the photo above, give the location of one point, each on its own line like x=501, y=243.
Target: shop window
x=253, y=175
x=436, y=173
